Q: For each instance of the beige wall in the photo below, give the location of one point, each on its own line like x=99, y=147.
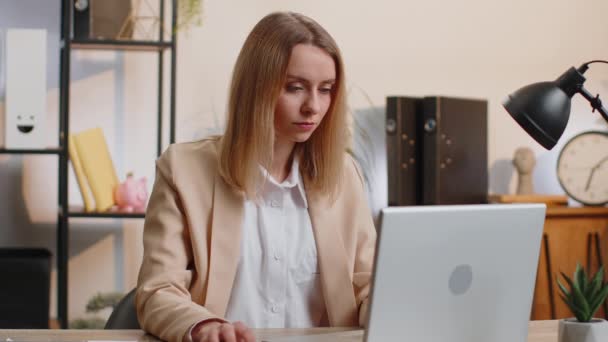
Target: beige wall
x=475, y=48
x=470, y=48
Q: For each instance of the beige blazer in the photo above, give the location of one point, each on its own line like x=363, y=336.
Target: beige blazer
x=192, y=236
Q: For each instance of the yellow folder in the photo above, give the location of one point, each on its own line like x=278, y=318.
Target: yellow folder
x=97, y=165
x=89, y=205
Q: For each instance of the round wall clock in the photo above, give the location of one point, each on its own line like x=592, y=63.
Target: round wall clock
x=582, y=168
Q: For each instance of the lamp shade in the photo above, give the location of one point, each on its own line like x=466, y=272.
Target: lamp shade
x=542, y=110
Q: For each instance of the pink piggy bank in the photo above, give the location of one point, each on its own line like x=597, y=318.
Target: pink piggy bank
x=131, y=195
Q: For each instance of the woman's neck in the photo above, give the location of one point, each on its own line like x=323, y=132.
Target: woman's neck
x=281, y=161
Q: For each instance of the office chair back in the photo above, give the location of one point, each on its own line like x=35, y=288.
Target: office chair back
x=124, y=315
x=25, y=288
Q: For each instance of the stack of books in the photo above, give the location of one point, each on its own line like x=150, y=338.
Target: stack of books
x=94, y=169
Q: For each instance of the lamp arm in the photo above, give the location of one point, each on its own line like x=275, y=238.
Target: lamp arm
x=595, y=101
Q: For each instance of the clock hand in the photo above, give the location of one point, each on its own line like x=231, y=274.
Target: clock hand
x=593, y=169
x=590, y=177
x=600, y=162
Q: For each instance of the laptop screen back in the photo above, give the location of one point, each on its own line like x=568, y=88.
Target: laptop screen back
x=461, y=273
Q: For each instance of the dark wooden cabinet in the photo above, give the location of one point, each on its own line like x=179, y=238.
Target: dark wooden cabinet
x=571, y=236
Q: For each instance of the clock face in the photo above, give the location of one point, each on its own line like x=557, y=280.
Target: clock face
x=582, y=168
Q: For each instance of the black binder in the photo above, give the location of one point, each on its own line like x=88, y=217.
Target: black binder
x=436, y=150
x=403, y=154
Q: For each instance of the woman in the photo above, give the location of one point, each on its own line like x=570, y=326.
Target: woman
x=268, y=225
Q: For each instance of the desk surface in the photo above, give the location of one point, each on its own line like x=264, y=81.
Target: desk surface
x=540, y=331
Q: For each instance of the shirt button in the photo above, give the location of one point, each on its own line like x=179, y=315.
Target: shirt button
x=275, y=309
x=274, y=203
x=277, y=257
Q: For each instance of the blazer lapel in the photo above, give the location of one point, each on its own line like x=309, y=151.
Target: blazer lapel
x=335, y=276
x=226, y=232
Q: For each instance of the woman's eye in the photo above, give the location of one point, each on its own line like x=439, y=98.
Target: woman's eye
x=294, y=88
x=325, y=90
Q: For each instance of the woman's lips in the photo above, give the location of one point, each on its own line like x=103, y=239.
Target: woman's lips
x=305, y=126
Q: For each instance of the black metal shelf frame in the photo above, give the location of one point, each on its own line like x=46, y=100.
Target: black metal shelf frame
x=31, y=151
x=66, y=46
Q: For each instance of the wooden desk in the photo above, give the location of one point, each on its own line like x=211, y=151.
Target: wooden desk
x=571, y=235
x=540, y=331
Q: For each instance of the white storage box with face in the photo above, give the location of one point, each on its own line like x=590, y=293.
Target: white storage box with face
x=25, y=116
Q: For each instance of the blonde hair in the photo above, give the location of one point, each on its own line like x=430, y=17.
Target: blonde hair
x=257, y=80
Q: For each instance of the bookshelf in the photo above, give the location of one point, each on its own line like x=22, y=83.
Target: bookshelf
x=68, y=44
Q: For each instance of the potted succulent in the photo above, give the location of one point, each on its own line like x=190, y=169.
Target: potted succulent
x=584, y=296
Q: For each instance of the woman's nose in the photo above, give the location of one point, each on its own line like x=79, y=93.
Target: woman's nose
x=312, y=105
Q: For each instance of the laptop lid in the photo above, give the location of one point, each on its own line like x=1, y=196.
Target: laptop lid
x=462, y=273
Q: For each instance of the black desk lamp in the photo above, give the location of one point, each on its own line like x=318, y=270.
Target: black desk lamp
x=542, y=109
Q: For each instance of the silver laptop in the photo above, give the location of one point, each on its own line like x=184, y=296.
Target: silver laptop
x=462, y=273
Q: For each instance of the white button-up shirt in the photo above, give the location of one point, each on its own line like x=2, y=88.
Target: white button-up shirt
x=277, y=283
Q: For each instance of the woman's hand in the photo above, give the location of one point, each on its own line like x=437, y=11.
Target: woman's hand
x=222, y=332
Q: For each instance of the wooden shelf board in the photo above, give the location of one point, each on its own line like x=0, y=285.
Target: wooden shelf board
x=95, y=44
x=79, y=212
x=577, y=211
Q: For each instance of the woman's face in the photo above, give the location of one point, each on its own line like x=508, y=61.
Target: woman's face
x=306, y=94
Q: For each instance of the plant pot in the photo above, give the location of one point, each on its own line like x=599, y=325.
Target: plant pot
x=571, y=330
